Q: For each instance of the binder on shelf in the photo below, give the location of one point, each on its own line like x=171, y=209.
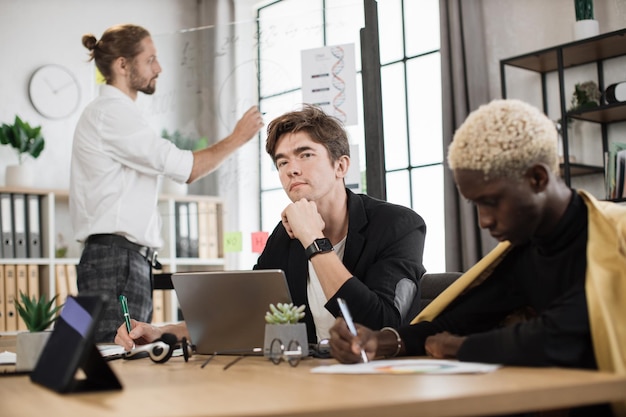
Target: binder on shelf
x=182, y=229
x=10, y=286
x=6, y=207
x=19, y=225
x=193, y=229
x=61, y=284
x=158, y=307
x=21, y=279
x=33, y=281
x=203, y=229
x=3, y=313
x=213, y=232
x=33, y=225
x=72, y=283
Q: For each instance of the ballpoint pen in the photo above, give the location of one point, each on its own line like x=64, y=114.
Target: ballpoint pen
x=124, y=304
x=348, y=318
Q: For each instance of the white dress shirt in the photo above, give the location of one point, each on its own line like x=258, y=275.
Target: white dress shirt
x=116, y=163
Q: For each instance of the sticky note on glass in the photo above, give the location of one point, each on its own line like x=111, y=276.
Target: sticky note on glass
x=100, y=78
x=232, y=242
x=258, y=241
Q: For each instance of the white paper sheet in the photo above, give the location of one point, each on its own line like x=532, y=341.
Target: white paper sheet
x=408, y=366
x=7, y=358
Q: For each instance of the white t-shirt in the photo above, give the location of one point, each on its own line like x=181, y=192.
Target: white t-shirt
x=317, y=300
x=117, y=159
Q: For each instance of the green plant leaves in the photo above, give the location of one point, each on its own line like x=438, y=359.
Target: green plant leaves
x=26, y=139
x=284, y=313
x=37, y=314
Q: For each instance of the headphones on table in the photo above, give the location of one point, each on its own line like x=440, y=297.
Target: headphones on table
x=161, y=350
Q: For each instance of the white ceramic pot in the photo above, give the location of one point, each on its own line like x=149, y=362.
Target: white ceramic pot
x=586, y=28
x=19, y=176
x=29, y=348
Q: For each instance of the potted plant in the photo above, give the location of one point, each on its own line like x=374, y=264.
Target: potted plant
x=586, y=95
x=38, y=315
x=182, y=142
x=585, y=26
x=27, y=141
x=282, y=322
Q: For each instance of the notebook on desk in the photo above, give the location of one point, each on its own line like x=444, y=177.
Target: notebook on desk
x=225, y=310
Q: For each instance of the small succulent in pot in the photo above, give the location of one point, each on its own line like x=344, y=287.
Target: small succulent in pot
x=284, y=313
x=37, y=314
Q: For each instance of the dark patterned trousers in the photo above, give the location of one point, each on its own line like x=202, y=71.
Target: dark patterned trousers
x=110, y=271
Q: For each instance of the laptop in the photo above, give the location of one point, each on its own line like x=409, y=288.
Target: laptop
x=225, y=310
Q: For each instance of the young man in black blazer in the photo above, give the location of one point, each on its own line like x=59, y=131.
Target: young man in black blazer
x=330, y=241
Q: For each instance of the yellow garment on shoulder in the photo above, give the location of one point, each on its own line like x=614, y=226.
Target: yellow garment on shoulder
x=605, y=285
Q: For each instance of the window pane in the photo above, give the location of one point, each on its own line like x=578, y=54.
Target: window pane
x=398, y=189
x=390, y=30
x=272, y=204
x=421, y=25
x=344, y=20
x=424, y=96
x=285, y=29
x=394, y=116
x=428, y=203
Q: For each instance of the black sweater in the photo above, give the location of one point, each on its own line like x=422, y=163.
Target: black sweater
x=546, y=276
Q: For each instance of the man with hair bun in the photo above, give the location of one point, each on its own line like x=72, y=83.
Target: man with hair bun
x=117, y=159
x=561, y=261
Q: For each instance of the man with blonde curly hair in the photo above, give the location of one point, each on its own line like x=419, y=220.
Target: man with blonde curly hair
x=561, y=260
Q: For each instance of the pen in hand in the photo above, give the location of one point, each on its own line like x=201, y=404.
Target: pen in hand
x=125, y=312
x=348, y=318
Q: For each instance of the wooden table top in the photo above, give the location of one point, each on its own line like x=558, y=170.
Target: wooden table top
x=256, y=387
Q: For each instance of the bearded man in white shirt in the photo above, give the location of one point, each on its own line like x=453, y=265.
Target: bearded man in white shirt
x=116, y=163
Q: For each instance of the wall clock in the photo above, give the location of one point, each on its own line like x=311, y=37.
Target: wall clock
x=54, y=91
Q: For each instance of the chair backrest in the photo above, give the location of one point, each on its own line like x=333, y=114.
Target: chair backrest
x=431, y=285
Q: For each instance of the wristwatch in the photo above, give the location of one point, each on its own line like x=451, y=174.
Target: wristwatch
x=318, y=246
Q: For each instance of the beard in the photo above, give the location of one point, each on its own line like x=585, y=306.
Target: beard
x=139, y=83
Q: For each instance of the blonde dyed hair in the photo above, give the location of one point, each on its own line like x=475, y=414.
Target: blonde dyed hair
x=503, y=139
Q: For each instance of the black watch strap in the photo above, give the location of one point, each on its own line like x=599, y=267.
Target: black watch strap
x=318, y=246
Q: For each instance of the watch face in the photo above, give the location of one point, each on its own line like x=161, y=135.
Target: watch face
x=324, y=245
x=54, y=91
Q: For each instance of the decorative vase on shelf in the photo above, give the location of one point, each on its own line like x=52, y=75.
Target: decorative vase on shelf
x=19, y=176
x=586, y=28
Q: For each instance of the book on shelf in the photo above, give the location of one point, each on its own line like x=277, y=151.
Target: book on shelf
x=33, y=281
x=212, y=230
x=21, y=279
x=6, y=212
x=192, y=212
x=72, y=282
x=616, y=171
x=158, y=312
x=10, y=287
x=181, y=217
x=33, y=225
x=3, y=322
x=61, y=284
x=19, y=225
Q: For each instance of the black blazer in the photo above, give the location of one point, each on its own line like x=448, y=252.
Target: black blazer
x=383, y=251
